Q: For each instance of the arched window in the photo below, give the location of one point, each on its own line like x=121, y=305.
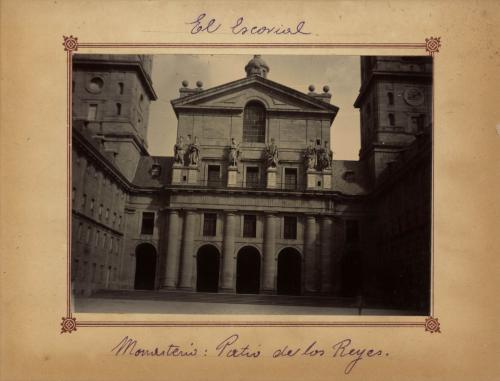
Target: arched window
x=254, y=123
x=390, y=98
x=391, y=120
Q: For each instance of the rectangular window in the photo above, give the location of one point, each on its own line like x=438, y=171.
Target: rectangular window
x=75, y=269
x=100, y=211
x=92, y=205
x=87, y=238
x=213, y=175
x=73, y=194
x=210, y=224
x=79, y=235
x=249, y=226
x=351, y=231
x=148, y=223
x=97, y=235
x=290, y=227
x=291, y=178
x=105, y=238
x=84, y=201
x=107, y=213
x=94, y=266
x=252, y=179
x=119, y=221
x=92, y=112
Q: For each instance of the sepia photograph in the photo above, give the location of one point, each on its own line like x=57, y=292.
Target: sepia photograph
x=251, y=184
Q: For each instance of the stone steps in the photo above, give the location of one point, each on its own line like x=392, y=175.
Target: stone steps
x=206, y=297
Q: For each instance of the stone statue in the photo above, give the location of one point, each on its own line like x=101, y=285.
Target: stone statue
x=234, y=153
x=194, y=152
x=310, y=156
x=179, y=151
x=324, y=161
x=271, y=155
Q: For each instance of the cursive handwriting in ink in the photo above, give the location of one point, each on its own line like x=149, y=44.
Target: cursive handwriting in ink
x=228, y=348
x=127, y=346
x=238, y=28
x=204, y=24
x=200, y=26
x=343, y=349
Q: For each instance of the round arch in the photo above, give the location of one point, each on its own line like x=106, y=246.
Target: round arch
x=145, y=266
x=207, y=268
x=289, y=272
x=248, y=270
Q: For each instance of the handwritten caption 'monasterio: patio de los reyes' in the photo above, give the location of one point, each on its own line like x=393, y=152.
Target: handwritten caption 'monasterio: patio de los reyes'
x=233, y=347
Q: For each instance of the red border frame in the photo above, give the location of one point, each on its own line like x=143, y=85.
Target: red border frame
x=69, y=322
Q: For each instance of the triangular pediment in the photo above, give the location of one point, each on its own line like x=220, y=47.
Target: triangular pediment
x=236, y=94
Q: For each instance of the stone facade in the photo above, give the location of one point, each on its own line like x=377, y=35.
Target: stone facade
x=252, y=201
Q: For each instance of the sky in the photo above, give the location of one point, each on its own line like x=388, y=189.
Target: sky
x=340, y=73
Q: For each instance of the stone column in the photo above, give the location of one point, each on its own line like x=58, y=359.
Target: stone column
x=268, y=285
x=171, y=269
x=310, y=253
x=227, y=284
x=187, y=251
x=326, y=254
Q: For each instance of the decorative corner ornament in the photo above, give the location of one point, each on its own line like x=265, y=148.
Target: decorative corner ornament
x=432, y=325
x=432, y=45
x=68, y=324
x=70, y=43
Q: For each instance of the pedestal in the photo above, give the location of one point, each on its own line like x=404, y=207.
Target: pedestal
x=271, y=177
x=327, y=179
x=176, y=173
x=232, y=176
x=311, y=179
x=192, y=177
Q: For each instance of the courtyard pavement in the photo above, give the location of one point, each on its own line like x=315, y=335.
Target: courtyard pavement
x=221, y=304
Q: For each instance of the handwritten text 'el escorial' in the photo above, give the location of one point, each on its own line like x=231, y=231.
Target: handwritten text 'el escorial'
x=203, y=24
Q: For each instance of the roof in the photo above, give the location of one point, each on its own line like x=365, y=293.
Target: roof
x=143, y=176
x=195, y=98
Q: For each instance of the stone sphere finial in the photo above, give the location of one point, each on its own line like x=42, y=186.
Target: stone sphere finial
x=199, y=84
x=185, y=83
x=326, y=88
x=311, y=88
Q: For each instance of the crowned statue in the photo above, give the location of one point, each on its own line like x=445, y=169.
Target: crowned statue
x=179, y=151
x=194, y=152
x=271, y=155
x=234, y=153
x=310, y=156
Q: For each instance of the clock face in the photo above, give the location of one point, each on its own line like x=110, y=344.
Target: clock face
x=413, y=96
x=95, y=85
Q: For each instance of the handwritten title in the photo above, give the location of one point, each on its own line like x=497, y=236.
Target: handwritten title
x=233, y=347
x=203, y=24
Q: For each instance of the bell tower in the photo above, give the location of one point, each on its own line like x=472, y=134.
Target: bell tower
x=111, y=98
x=395, y=107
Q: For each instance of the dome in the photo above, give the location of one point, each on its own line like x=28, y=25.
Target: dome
x=257, y=66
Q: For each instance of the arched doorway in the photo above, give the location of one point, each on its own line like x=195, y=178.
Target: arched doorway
x=351, y=273
x=145, y=267
x=289, y=272
x=207, y=269
x=248, y=271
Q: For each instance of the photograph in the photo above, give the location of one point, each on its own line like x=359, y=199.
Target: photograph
x=251, y=184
